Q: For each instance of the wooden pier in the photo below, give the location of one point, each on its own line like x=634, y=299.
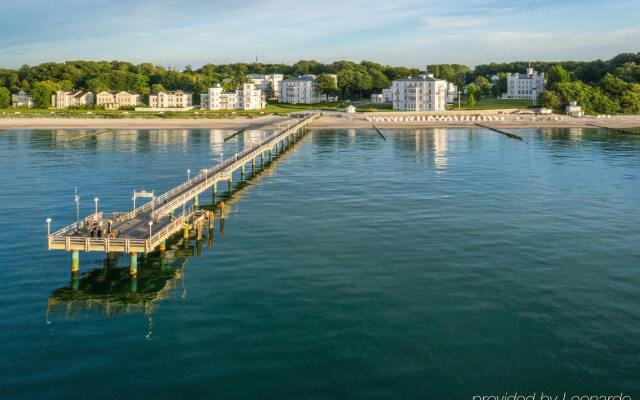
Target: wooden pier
x=147, y=227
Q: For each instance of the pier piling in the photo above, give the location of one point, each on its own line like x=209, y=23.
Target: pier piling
x=133, y=263
x=75, y=260
x=185, y=232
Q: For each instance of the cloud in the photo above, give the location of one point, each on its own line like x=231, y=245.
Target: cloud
x=448, y=22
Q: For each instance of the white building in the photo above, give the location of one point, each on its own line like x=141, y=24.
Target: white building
x=524, y=86
x=452, y=93
x=303, y=90
x=114, y=100
x=422, y=93
x=377, y=98
x=247, y=98
x=385, y=97
x=21, y=100
x=171, y=99
x=269, y=84
x=574, y=110
x=74, y=98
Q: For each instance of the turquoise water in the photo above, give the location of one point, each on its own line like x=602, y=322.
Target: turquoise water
x=437, y=264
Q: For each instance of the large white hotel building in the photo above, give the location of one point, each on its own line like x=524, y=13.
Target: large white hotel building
x=422, y=93
x=524, y=86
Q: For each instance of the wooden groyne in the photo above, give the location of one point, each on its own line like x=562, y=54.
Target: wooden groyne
x=508, y=134
x=90, y=134
x=379, y=131
x=617, y=130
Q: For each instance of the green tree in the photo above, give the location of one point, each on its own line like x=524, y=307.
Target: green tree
x=379, y=80
x=346, y=80
x=592, y=100
x=471, y=100
x=41, y=93
x=555, y=75
x=630, y=102
x=549, y=99
x=5, y=97
x=157, y=88
x=473, y=90
x=98, y=84
x=327, y=85
x=484, y=85
x=614, y=87
x=499, y=88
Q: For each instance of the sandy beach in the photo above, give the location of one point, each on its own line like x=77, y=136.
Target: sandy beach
x=331, y=121
x=139, y=123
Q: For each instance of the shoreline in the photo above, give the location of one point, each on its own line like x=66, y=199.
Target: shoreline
x=325, y=122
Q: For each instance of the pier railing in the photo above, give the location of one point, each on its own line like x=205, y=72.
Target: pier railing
x=59, y=241
x=72, y=227
x=70, y=239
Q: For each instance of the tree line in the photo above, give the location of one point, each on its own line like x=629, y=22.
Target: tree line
x=600, y=86
x=355, y=80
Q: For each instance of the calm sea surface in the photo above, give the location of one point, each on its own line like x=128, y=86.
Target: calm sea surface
x=437, y=264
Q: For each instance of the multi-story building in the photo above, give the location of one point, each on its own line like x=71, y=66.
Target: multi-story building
x=524, y=86
x=269, y=84
x=171, y=99
x=422, y=93
x=299, y=90
x=247, y=98
x=74, y=98
x=114, y=99
x=303, y=90
x=21, y=100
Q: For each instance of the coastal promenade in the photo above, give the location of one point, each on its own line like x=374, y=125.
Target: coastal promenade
x=147, y=227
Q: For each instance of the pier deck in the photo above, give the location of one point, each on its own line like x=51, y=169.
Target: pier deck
x=168, y=212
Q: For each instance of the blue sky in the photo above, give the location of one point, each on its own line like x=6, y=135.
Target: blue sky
x=398, y=32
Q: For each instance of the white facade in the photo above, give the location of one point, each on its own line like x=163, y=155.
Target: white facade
x=269, y=83
x=75, y=98
x=300, y=90
x=574, y=110
x=113, y=100
x=452, y=93
x=303, y=90
x=171, y=99
x=385, y=97
x=247, y=98
x=524, y=86
x=423, y=93
x=21, y=100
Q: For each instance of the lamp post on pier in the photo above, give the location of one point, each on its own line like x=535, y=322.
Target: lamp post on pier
x=188, y=174
x=150, y=225
x=48, y=226
x=96, y=200
x=76, y=198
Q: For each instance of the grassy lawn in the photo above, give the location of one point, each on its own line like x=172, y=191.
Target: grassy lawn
x=492, y=103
